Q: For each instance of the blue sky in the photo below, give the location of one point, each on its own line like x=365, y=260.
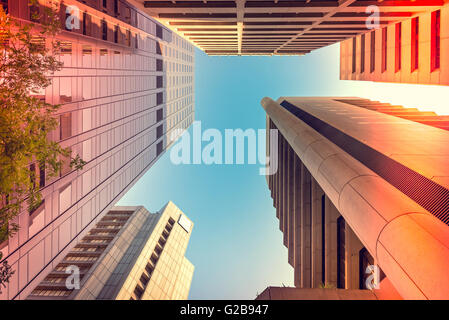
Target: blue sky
x=236, y=245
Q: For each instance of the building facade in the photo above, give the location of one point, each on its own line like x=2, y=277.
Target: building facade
x=126, y=84
x=362, y=196
x=278, y=27
x=131, y=254
x=409, y=51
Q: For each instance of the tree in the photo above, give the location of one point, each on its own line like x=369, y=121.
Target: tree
x=26, y=66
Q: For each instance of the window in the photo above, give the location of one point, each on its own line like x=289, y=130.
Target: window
x=128, y=38
x=159, y=98
x=34, y=12
x=116, y=34
x=159, y=115
x=384, y=49
x=159, y=149
x=159, y=82
x=116, y=7
x=159, y=131
x=104, y=30
x=37, y=219
x=33, y=175
x=87, y=63
x=341, y=226
x=159, y=32
x=398, y=47
x=436, y=41
x=158, y=48
x=136, y=41
x=65, y=197
x=159, y=65
x=323, y=239
x=67, y=18
x=362, y=53
x=65, y=167
x=415, y=44
x=84, y=23
x=105, y=3
x=65, y=127
x=365, y=260
x=354, y=54
x=138, y=291
x=42, y=175
x=144, y=279
x=373, y=52
x=4, y=4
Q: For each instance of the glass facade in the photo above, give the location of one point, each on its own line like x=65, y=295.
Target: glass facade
x=119, y=103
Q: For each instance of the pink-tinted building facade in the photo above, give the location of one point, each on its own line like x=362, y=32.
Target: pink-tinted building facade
x=126, y=84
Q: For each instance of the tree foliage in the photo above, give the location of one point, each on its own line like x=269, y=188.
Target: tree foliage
x=26, y=120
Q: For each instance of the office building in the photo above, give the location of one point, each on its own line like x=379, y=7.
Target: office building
x=409, y=51
x=131, y=254
x=277, y=27
x=361, y=193
x=126, y=84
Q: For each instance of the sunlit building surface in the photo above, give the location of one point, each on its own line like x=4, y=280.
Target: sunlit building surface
x=362, y=197
x=410, y=51
x=127, y=83
x=275, y=27
x=131, y=254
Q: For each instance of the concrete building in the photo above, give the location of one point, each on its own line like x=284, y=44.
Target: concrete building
x=131, y=254
x=277, y=27
x=361, y=184
x=410, y=51
x=127, y=83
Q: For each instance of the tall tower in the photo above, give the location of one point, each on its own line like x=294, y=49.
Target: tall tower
x=362, y=197
x=126, y=84
x=131, y=254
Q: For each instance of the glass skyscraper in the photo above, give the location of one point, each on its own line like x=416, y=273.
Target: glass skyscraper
x=126, y=84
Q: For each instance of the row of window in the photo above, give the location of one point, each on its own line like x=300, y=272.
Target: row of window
x=149, y=269
x=435, y=56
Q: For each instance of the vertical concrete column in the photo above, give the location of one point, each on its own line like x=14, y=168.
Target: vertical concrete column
x=316, y=245
x=278, y=179
x=331, y=217
x=306, y=215
x=286, y=192
x=291, y=201
x=275, y=181
x=353, y=247
x=297, y=219
x=267, y=149
x=282, y=186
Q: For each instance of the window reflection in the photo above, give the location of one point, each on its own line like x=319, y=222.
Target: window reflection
x=65, y=127
x=87, y=57
x=66, y=53
x=103, y=58
x=87, y=88
x=65, y=91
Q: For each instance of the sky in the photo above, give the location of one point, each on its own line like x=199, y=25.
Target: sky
x=236, y=245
